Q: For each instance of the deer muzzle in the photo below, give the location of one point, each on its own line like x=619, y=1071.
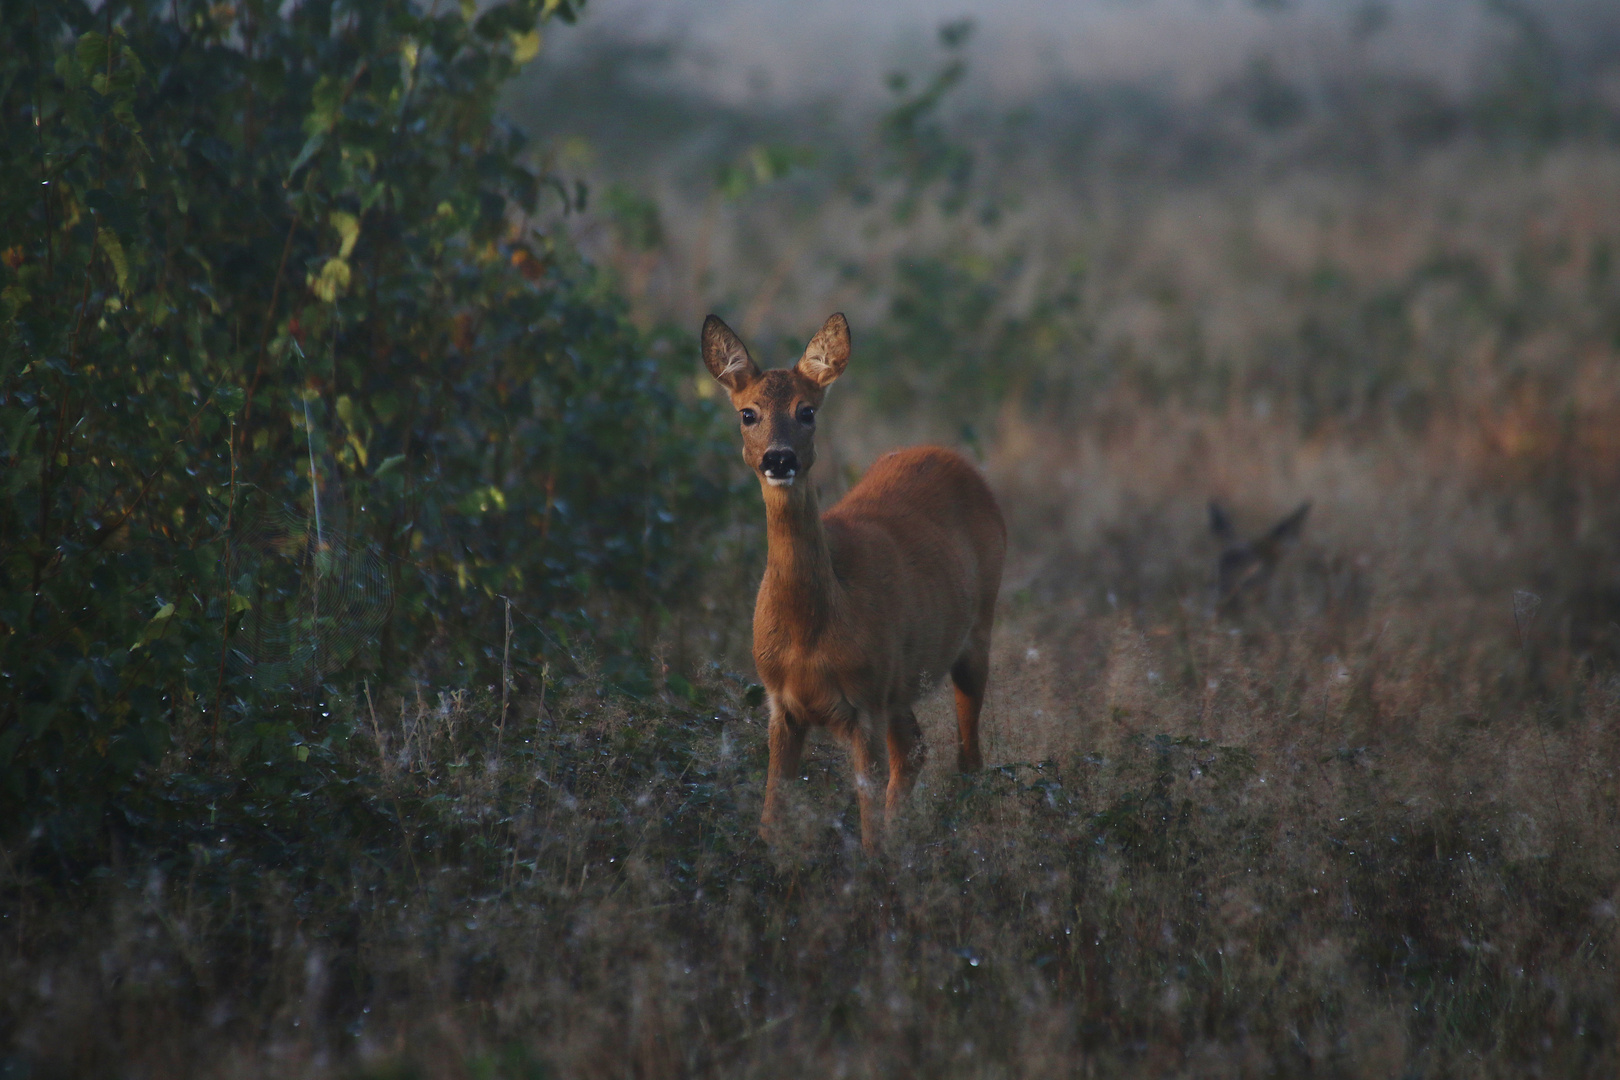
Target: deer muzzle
x=780, y=466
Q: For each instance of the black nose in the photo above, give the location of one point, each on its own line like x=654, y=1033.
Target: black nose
x=780, y=463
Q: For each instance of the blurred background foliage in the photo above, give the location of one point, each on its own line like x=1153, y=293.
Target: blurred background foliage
x=1278, y=200
x=295, y=397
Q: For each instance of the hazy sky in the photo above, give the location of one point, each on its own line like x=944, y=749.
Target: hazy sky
x=737, y=49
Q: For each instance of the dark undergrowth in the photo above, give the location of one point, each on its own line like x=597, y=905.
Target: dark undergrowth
x=581, y=893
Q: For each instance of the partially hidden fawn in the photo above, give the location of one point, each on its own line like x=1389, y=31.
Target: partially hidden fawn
x=866, y=607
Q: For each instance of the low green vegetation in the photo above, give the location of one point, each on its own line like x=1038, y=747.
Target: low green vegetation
x=294, y=397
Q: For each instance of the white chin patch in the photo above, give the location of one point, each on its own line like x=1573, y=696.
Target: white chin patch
x=779, y=481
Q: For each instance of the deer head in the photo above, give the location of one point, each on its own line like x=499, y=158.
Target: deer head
x=777, y=409
x=1246, y=565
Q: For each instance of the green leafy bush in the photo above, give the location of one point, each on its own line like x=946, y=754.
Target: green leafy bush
x=291, y=390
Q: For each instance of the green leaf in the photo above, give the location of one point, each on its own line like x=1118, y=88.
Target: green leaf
x=326, y=102
x=115, y=254
x=333, y=280
x=10, y=740
x=312, y=146
x=91, y=52
x=348, y=227
x=20, y=429
x=154, y=628
x=525, y=47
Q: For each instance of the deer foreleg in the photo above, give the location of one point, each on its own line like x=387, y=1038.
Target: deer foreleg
x=907, y=752
x=867, y=750
x=787, y=750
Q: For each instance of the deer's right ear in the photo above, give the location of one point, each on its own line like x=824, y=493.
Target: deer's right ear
x=726, y=357
x=1289, y=528
x=824, y=358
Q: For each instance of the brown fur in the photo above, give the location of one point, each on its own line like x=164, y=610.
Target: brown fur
x=865, y=608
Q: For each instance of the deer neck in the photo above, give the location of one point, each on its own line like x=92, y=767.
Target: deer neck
x=799, y=582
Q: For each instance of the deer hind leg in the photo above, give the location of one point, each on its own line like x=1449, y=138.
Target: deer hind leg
x=969, y=675
x=787, y=750
x=867, y=751
x=906, y=756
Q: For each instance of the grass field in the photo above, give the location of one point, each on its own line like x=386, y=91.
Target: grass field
x=1365, y=828
x=1365, y=822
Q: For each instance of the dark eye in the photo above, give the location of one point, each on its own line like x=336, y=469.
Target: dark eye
x=749, y=417
x=807, y=414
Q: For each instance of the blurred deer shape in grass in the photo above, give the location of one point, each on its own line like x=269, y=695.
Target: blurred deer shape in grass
x=865, y=608
x=1245, y=566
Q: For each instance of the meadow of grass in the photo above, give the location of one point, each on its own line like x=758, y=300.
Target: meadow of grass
x=1367, y=827
x=1365, y=823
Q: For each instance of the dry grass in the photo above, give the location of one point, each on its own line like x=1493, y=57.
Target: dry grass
x=1367, y=830
x=1368, y=827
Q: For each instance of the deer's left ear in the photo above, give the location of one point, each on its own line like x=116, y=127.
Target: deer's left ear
x=824, y=358
x=726, y=356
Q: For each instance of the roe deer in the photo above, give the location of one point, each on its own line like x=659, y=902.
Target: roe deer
x=864, y=608
x=1246, y=565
